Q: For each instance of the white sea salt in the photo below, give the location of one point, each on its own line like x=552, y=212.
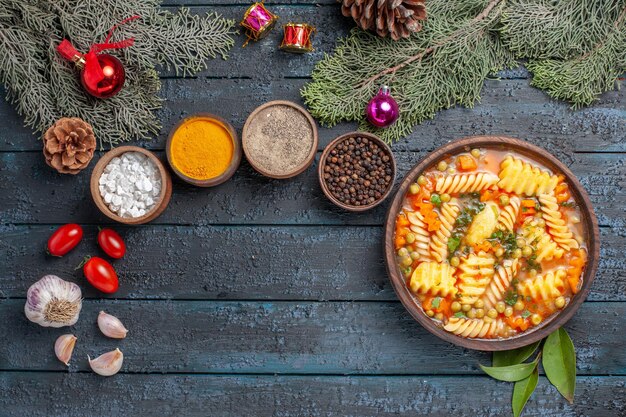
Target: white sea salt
x=130, y=185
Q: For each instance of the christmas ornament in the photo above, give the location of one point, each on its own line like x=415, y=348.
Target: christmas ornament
x=102, y=75
x=382, y=110
x=297, y=38
x=258, y=21
x=396, y=18
x=68, y=145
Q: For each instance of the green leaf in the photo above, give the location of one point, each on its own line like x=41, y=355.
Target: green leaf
x=436, y=302
x=559, y=362
x=511, y=373
x=460, y=315
x=522, y=391
x=515, y=356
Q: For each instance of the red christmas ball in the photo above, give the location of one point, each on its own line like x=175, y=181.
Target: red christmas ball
x=114, y=76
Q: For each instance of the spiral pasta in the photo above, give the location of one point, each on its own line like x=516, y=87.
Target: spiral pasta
x=439, y=241
x=501, y=280
x=544, y=287
x=508, y=215
x=545, y=247
x=422, y=237
x=520, y=177
x=465, y=183
x=555, y=222
x=433, y=278
x=475, y=274
x=475, y=327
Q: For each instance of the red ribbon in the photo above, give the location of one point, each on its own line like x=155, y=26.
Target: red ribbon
x=92, y=74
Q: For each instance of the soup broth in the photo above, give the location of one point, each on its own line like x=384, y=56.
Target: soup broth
x=491, y=243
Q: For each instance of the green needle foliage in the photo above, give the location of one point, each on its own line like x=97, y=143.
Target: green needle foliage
x=44, y=87
x=574, y=47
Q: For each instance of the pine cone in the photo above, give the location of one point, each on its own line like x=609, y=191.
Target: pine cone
x=68, y=145
x=397, y=18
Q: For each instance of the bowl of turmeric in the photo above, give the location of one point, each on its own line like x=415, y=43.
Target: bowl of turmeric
x=203, y=150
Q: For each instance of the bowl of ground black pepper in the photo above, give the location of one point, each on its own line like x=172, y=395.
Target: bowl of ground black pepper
x=357, y=171
x=280, y=139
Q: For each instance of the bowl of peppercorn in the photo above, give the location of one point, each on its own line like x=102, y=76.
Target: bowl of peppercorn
x=357, y=171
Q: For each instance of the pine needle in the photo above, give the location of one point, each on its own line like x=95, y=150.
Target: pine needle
x=43, y=87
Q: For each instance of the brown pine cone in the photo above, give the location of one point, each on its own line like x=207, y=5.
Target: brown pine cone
x=69, y=144
x=396, y=18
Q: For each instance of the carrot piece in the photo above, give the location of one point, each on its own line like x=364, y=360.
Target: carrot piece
x=528, y=202
x=465, y=163
x=400, y=241
x=487, y=196
x=575, y=270
x=402, y=221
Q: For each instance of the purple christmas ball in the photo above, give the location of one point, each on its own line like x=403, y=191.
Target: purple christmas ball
x=382, y=110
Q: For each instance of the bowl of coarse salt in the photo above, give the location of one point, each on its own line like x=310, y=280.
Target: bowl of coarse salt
x=130, y=185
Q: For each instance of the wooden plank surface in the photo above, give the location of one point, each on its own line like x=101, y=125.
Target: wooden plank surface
x=245, y=262
x=283, y=337
x=294, y=396
x=508, y=107
x=32, y=193
x=224, y=290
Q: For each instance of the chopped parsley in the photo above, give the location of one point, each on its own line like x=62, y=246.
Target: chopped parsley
x=453, y=243
x=568, y=204
x=507, y=240
x=436, y=302
x=510, y=297
x=436, y=200
x=525, y=314
x=532, y=263
x=460, y=315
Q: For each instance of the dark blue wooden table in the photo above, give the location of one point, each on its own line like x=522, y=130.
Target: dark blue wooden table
x=258, y=297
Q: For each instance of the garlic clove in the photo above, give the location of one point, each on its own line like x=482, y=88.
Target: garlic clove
x=64, y=346
x=111, y=326
x=108, y=363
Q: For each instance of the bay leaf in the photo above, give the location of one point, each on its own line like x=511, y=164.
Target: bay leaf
x=522, y=391
x=559, y=363
x=511, y=373
x=515, y=356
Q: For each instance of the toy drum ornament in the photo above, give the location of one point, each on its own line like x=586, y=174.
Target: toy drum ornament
x=258, y=21
x=297, y=38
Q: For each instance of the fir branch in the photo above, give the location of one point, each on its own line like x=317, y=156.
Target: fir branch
x=44, y=87
x=581, y=79
x=437, y=68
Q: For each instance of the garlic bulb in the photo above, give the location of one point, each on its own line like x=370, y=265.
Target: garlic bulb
x=108, y=363
x=111, y=326
x=53, y=302
x=64, y=346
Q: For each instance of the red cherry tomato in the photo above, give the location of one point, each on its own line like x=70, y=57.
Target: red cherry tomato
x=64, y=239
x=101, y=275
x=111, y=243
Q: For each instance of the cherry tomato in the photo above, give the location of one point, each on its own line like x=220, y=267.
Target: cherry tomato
x=64, y=239
x=111, y=243
x=101, y=275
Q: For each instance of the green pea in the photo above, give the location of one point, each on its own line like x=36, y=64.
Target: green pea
x=455, y=261
x=499, y=252
x=466, y=307
x=445, y=197
x=455, y=306
x=500, y=307
x=527, y=251
x=410, y=238
x=521, y=242
x=415, y=256
x=422, y=180
x=402, y=252
x=504, y=200
x=414, y=189
x=517, y=253
x=442, y=166
x=475, y=153
x=406, y=261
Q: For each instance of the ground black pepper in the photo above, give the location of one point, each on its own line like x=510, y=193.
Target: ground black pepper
x=358, y=171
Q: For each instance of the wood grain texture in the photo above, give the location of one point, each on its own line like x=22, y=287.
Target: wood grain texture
x=31, y=194
x=245, y=262
x=283, y=337
x=294, y=396
x=507, y=107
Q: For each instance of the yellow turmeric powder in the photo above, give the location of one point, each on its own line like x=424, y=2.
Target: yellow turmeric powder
x=201, y=148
